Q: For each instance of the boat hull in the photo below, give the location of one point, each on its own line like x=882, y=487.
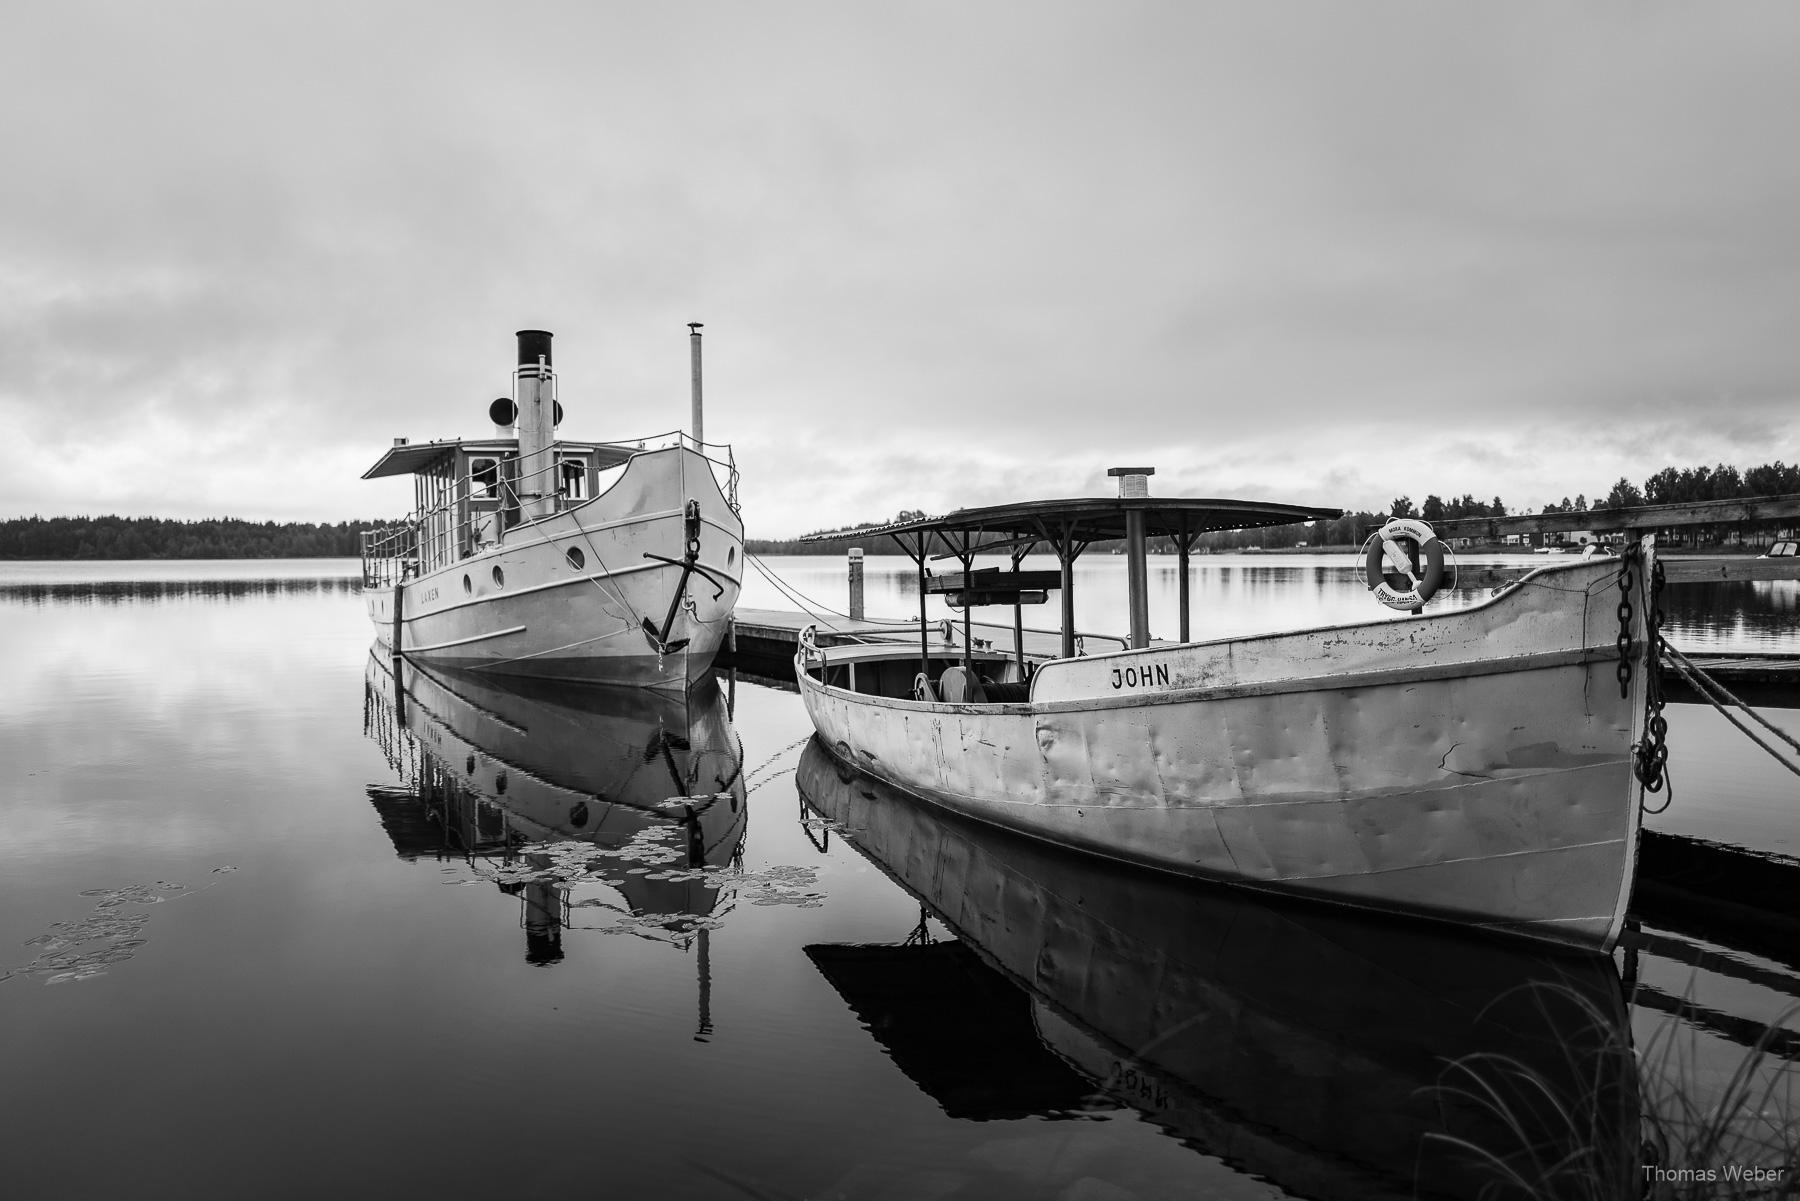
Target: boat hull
x=1473, y=766
x=528, y=607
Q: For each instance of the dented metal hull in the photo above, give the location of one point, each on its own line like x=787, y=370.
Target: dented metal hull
x=1473, y=766
x=565, y=597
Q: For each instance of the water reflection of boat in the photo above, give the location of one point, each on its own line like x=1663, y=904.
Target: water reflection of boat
x=495, y=771
x=1336, y=1054
x=1777, y=594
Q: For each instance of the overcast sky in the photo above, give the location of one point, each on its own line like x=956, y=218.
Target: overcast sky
x=946, y=254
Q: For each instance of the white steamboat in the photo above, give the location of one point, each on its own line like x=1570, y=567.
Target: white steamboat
x=605, y=562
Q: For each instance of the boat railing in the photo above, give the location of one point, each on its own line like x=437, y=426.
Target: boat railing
x=984, y=635
x=718, y=455
x=475, y=509
x=390, y=554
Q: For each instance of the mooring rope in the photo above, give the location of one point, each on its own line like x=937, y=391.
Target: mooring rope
x=617, y=593
x=1718, y=696
x=750, y=787
x=794, y=596
x=815, y=608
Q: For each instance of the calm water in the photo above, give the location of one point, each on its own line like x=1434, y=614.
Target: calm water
x=277, y=926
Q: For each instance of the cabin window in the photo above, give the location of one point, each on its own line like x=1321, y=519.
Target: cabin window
x=484, y=476
x=574, y=479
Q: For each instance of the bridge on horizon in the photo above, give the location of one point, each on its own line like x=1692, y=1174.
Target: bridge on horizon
x=1747, y=514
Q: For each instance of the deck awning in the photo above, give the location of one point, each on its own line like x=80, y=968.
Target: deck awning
x=1069, y=527
x=1098, y=519
x=411, y=458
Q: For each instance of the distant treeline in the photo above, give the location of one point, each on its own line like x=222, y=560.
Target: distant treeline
x=160, y=538
x=877, y=545
x=229, y=538
x=1670, y=486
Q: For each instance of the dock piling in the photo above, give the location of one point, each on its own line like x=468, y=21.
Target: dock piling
x=856, y=583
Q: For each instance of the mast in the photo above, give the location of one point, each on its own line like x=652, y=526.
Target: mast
x=699, y=427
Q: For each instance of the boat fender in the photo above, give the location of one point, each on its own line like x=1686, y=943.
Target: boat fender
x=1387, y=556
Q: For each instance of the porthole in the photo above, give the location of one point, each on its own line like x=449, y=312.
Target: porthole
x=467, y=587
x=499, y=577
x=730, y=555
x=577, y=560
x=500, y=783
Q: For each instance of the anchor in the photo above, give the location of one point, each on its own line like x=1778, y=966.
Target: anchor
x=689, y=564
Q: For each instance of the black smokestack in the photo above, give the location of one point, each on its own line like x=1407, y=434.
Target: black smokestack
x=533, y=345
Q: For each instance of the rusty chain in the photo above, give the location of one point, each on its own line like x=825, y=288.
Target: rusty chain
x=1630, y=556
x=1651, y=754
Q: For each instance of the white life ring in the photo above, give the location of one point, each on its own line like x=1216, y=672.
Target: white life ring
x=1387, y=557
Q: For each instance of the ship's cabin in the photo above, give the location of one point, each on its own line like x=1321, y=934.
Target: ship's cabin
x=467, y=495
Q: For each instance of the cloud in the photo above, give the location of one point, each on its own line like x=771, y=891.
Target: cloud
x=940, y=251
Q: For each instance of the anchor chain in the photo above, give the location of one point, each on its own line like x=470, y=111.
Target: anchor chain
x=689, y=563
x=1650, y=755
x=1625, y=643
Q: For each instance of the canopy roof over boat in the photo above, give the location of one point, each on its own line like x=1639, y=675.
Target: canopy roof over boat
x=410, y=458
x=1100, y=519
x=1067, y=528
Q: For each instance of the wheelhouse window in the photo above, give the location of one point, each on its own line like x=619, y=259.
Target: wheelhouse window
x=574, y=479
x=484, y=475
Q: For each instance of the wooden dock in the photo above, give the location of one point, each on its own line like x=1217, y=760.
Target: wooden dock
x=764, y=640
x=1720, y=893
x=1756, y=678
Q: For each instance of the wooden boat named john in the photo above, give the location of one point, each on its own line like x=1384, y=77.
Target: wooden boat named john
x=613, y=563
x=1477, y=765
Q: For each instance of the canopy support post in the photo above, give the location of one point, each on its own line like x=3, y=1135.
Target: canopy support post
x=1018, y=556
x=924, y=644
x=1065, y=555
x=919, y=562
x=967, y=558
x=1137, y=576
x=1182, y=543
